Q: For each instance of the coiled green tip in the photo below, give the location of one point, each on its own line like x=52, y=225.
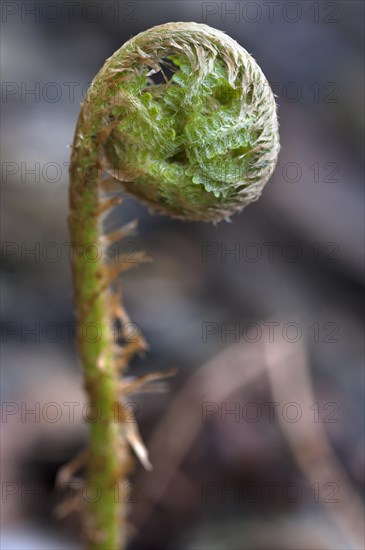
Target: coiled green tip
x=192, y=119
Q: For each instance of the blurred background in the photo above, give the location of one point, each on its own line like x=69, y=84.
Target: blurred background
x=259, y=442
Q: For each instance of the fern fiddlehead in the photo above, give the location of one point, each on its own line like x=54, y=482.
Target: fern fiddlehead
x=198, y=144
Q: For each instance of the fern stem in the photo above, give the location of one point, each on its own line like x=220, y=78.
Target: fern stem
x=92, y=299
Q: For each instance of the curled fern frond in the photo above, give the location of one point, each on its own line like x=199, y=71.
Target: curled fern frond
x=186, y=121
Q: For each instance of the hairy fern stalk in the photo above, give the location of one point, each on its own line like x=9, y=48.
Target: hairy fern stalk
x=183, y=118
